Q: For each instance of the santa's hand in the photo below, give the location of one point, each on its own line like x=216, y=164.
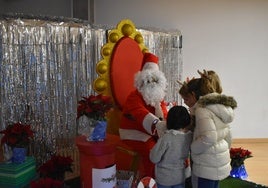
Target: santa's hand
x=161, y=127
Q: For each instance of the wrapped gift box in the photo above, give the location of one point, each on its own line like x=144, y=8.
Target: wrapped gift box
x=17, y=175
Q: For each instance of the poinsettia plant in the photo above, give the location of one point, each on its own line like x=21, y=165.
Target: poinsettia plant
x=56, y=167
x=17, y=135
x=238, y=156
x=94, y=107
x=46, y=183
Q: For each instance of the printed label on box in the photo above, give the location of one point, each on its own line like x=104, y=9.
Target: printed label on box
x=104, y=178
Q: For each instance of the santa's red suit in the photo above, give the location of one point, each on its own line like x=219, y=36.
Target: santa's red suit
x=140, y=120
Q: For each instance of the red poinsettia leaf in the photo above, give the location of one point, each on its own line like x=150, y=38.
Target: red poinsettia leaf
x=88, y=109
x=238, y=156
x=4, y=131
x=17, y=134
x=94, y=107
x=106, y=99
x=4, y=139
x=47, y=168
x=28, y=131
x=46, y=183
x=57, y=183
x=34, y=184
x=17, y=129
x=248, y=153
x=12, y=140
x=92, y=98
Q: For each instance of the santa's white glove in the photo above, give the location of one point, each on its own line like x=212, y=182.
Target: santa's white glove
x=161, y=127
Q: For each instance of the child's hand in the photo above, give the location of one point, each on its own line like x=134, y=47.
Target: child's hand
x=161, y=127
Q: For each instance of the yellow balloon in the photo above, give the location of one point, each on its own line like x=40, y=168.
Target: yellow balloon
x=127, y=29
x=114, y=37
x=106, y=51
x=100, y=85
x=145, y=50
x=102, y=68
x=139, y=38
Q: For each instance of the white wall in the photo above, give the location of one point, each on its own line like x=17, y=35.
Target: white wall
x=228, y=36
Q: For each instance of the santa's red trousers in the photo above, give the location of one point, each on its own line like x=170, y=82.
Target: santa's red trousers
x=146, y=167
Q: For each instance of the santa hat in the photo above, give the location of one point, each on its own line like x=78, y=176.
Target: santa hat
x=150, y=61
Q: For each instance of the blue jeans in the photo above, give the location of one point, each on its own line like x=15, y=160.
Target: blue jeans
x=172, y=186
x=206, y=183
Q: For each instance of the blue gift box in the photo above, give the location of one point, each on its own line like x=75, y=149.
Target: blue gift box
x=14, y=175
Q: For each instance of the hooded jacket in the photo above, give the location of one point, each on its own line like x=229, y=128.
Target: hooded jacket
x=212, y=136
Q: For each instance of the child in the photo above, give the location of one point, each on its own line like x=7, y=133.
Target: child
x=189, y=98
x=212, y=135
x=172, y=149
x=190, y=95
x=190, y=91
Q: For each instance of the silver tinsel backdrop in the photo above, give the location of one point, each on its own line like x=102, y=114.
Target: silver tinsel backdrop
x=47, y=65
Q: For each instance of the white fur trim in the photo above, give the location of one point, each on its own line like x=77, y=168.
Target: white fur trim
x=131, y=134
x=148, y=121
x=150, y=65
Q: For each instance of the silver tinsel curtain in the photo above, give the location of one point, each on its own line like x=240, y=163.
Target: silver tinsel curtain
x=47, y=65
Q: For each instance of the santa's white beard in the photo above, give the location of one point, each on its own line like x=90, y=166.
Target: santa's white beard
x=152, y=95
x=153, y=92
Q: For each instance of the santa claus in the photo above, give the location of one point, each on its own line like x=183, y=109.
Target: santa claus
x=145, y=111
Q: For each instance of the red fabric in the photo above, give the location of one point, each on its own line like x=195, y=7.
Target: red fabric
x=98, y=155
x=97, y=148
x=135, y=110
x=149, y=57
x=146, y=167
x=126, y=61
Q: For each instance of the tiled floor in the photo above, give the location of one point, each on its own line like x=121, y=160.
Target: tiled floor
x=256, y=166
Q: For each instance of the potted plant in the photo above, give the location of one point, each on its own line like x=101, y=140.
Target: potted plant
x=17, y=137
x=238, y=157
x=46, y=182
x=52, y=172
x=56, y=167
x=91, y=112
